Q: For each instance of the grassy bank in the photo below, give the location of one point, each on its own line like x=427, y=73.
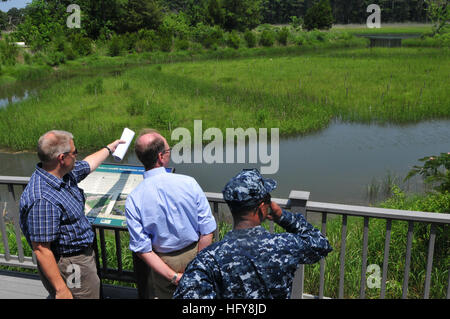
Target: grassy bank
x=296, y=91
x=386, y=28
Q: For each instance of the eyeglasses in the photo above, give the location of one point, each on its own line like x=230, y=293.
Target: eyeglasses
x=167, y=150
x=74, y=153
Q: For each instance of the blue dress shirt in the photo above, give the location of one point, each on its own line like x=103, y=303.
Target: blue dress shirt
x=52, y=210
x=167, y=212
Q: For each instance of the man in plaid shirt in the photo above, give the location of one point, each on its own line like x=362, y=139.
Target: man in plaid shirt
x=53, y=221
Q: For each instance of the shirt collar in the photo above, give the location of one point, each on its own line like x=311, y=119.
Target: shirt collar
x=247, y=232
x=52, y=180
x=154, y=172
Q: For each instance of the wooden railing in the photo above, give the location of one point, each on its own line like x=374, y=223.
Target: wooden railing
x=297, y=202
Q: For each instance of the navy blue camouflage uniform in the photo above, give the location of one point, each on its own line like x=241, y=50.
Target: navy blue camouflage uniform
x=253, y=263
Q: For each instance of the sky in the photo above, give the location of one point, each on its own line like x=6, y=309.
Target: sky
x=5, y=6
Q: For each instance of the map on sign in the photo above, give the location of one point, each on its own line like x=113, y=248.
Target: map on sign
x=106, y=190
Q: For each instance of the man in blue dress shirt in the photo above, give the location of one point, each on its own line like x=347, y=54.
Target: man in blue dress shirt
x=53, y=221
x=250, y=262
x=168, y=216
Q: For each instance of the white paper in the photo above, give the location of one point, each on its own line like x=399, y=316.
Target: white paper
x=121, y=149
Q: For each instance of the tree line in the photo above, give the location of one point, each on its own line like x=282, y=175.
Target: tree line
x=123, y=16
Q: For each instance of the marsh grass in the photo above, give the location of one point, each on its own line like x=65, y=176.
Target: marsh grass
x=412, y=28
x=298, y=94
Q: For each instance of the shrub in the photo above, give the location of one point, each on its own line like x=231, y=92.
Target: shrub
x=59, y=43
x=165, y=39
x=321, y=36
x=296, y=22
x=115, y=46
x=282, y=36
x=129, y=41
x=177, y=24
x=182, y=44
x=437, y=41
x=8, y=51
x=81, y=45
x=435, y=171
x=144, y=45
x=300, y=40
x=319, y=16
x=28, y=59
x=207, y=36
x=69, y=52
x=54, y=58
x=146, y=41
x=233, y=40
x=344, y=36
x=250, y=38
x=38, y=58
x=267, y=38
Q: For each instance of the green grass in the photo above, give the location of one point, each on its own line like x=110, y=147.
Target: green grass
x=385, y=28
x=296, y=93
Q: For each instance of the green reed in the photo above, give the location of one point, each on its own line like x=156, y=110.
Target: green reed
x=296, y=93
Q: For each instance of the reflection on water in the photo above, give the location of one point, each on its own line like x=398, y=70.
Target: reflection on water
x=16, y=92
x=13, y=99
x=335, y=165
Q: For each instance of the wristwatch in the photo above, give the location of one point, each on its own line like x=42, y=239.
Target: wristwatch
x=109, y=150
x=174, y=279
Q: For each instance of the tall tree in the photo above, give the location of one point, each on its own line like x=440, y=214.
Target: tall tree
x=439, y=13
x=319, y=16
x=139, y=14
x=3, y=20
x=241, y=14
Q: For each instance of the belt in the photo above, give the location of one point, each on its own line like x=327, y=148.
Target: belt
x=180, y=251
x=76, y=253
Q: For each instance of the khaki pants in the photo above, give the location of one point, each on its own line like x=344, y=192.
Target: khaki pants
x=80, y=274
x=177, y=260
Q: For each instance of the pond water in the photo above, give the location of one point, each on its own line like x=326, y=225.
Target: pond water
x=335, y=165
x=14, y=93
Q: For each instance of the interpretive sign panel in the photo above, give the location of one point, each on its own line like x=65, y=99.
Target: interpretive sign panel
x=106, y=190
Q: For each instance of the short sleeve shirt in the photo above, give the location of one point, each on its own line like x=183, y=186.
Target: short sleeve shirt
x=52, y=210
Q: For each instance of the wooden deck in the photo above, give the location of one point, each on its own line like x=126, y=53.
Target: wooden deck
x=15, y=285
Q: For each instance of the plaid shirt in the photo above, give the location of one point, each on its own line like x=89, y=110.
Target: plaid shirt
x=52, y=210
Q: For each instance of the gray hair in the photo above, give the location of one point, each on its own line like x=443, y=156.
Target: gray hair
x=53, y=143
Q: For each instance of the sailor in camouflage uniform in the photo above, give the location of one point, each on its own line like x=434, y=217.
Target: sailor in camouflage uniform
x=250, y=262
